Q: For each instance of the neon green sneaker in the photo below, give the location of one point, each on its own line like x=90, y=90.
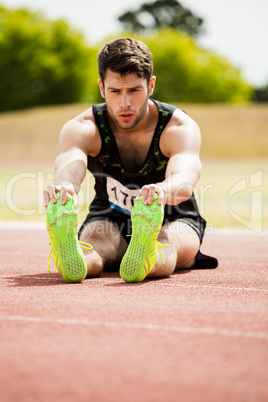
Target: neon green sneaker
x=142, y=252
x=61, y=222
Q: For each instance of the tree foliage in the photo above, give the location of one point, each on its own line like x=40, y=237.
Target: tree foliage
x=41, y=61
x=46, y=62
x=162, y=13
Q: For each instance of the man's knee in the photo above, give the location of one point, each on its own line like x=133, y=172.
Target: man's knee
x=184, y=241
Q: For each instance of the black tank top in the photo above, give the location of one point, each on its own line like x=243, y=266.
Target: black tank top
x=115, y=185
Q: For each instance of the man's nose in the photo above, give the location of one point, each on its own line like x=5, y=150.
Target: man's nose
x=125, y=101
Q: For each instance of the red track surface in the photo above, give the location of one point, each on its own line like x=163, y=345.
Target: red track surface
x=196, y=336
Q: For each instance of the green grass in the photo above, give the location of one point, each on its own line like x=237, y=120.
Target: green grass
x=225, y=196
x=234, y=193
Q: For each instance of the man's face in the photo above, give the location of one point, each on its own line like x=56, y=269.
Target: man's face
x=126, y=98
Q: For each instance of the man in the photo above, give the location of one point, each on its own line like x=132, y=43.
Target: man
x=144, y=156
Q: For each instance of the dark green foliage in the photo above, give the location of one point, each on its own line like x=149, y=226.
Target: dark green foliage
x=41, y=61
x=162, y=13
x=260, y=94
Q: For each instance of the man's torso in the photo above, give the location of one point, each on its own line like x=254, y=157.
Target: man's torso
x=120, y=169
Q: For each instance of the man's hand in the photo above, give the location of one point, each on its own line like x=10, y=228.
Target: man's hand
x=51, y=190
x=147, y=193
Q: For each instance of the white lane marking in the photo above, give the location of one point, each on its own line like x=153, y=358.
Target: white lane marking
x=149, y=326
x=209, y=287
x=30, y=277
x=20, y=225
x=245, y=263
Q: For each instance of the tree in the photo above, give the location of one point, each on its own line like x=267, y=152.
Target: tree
x=162, y=13
x=41, y=61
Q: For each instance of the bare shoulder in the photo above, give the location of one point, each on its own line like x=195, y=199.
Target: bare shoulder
x=81, y=132
x=182, y=134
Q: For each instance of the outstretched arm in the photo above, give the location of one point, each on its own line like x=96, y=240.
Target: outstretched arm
x=181, y=143
x=71, y=164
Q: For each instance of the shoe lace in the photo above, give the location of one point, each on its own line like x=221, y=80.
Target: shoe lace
x=84, y=246
x=158, y=245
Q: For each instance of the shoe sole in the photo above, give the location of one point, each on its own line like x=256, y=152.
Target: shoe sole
x=141, y=255
x=61, y=222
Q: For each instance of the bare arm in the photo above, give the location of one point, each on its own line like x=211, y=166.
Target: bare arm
x=181, y=143
x=71, y=164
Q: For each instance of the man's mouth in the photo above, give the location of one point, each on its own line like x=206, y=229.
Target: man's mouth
x=126, y=116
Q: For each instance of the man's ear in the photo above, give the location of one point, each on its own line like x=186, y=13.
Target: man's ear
x=101, y=85
x=152, y=85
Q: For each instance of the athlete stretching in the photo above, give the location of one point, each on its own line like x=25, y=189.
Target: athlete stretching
x=144, y=156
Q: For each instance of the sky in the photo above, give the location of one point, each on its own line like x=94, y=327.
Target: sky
x=235, y=29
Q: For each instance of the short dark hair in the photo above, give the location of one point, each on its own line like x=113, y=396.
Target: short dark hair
x=125, y=56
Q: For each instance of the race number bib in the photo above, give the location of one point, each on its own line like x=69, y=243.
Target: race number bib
x=120, y=197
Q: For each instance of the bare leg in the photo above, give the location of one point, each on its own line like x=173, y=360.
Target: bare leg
x=108, y=246
x=183, y=243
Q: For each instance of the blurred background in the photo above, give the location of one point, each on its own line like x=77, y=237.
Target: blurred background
x=210, y=60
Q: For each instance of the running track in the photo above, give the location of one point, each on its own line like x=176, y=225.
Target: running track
x=196, y=336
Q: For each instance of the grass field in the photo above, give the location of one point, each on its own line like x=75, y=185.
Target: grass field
x=232, y=192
